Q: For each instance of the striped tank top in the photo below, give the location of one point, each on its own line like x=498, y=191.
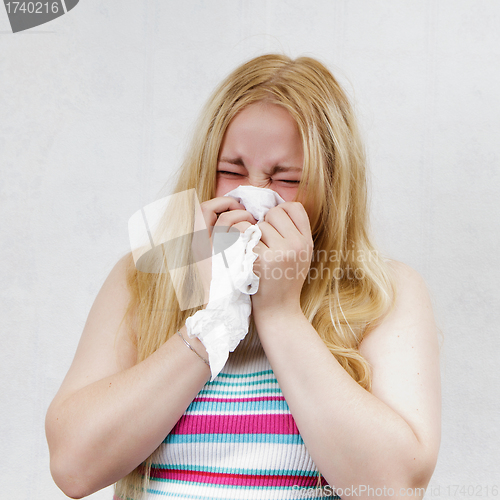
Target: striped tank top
x=237, y=440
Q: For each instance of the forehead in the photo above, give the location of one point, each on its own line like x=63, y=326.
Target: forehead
x=266, y=115
x=265, y=126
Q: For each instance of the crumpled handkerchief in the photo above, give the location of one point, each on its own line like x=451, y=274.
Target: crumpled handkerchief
x=225, y=320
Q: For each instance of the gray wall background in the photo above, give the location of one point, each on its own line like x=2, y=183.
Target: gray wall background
x=96, y=109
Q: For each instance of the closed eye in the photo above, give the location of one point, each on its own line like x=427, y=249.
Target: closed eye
x=226, y=172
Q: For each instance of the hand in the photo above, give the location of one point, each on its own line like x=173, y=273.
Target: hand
x=284, y=257
x=220, y=214
x=225, y=211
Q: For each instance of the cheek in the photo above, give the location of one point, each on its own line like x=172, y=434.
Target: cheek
x=226, y=185
x=288, y=194
x=309, y=206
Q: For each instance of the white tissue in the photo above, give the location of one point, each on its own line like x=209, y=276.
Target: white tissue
x=225, y=320
x=257, y=201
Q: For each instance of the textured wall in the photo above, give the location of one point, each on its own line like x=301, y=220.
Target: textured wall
x=95, y=111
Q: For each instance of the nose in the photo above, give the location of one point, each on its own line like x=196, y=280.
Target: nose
x=259, y=181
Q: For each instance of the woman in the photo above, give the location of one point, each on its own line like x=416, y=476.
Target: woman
x=344, y=347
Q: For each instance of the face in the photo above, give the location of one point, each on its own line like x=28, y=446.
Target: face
x=262, y=147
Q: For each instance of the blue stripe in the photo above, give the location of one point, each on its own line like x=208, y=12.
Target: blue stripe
x=245, y=375
x=218, y=393
x=227, y=470
x=244, y=383
x=234, y=438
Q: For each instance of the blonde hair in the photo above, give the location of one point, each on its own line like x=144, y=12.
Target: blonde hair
x=349, y=287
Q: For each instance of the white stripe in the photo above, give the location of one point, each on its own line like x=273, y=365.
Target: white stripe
x=241, y=412
x=247, y=382
x=276, y=456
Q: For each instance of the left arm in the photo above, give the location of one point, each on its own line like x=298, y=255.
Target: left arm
x=388, y=437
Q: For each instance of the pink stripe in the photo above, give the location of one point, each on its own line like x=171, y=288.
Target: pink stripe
x=201, y=399
x=233, y=479
x=236, y=424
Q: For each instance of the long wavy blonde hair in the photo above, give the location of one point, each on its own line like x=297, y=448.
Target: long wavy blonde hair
x=349, y=287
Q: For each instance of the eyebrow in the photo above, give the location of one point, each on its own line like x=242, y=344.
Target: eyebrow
x=275, y=170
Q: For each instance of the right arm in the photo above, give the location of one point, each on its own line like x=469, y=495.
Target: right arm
x=111, y=412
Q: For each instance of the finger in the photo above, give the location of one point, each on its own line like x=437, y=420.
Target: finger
x=297, y=215
x=281, y=221
x=242, y=226
x=233, y=217
x=270, y=236
x=211, y=209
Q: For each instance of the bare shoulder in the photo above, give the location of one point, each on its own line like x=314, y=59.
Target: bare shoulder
x=107, y=343
x=412, y=304
x=113, y=300
x=403, y=353
x=406, y=277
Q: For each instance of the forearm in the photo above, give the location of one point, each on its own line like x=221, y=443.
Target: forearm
x=100, y=433
x=353, y=437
